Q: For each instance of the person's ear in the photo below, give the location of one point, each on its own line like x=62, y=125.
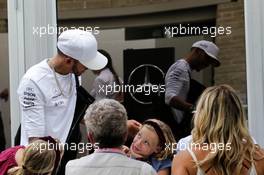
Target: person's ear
x=197, y=53
x=69, y=60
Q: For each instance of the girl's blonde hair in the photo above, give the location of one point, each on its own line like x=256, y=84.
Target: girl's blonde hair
x=220, y=120
x=39, y=158
x=166, y=151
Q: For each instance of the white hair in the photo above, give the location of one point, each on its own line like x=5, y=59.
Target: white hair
x=106, y=121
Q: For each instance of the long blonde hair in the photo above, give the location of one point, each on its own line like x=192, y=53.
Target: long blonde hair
x=38, y=158
x=220, y=119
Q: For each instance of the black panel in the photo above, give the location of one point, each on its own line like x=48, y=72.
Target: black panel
x=138, y=62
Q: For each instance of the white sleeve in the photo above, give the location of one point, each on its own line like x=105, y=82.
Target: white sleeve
x=101, y=89
x=69, y=169
x=147, y=170
x=183, y=143
x=32, y=103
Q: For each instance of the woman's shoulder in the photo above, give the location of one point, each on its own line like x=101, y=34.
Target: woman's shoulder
x=259, y=153
x=104, y=76
x=259, y=159
x=183, y=163
x=185, y=158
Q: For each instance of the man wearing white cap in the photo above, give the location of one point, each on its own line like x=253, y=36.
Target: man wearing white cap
x=47, y=92
x=178, y=78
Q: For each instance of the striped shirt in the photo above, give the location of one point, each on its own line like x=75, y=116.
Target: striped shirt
x=177, y=83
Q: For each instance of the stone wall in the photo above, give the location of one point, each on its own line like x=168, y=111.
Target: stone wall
x=3, y=20
x=3, y=26
x=97, y=4
x=232, y=54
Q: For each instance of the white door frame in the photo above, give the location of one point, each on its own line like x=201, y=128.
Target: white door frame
x=254, y=20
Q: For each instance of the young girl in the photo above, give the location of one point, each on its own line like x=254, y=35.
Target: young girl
x=152, y=144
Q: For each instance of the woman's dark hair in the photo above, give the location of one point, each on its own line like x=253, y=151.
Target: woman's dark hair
x=109, y=65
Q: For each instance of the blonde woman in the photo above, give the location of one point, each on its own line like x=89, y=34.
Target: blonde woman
x=39, y=157
x=221, y=143
x=152, y=144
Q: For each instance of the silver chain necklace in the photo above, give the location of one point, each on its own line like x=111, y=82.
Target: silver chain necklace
x=58, y=84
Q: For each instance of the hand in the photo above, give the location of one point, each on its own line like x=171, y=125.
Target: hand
x=133, y=127
x=4, y=94
x=130, y=153
x=126, y=150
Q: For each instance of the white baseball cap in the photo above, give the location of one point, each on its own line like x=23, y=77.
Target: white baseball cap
x=210, y=49
x=82, y=46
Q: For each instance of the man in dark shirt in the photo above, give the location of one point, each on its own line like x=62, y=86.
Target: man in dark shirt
x=180, y=86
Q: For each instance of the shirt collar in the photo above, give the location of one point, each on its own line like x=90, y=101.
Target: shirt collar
x=109, y=150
